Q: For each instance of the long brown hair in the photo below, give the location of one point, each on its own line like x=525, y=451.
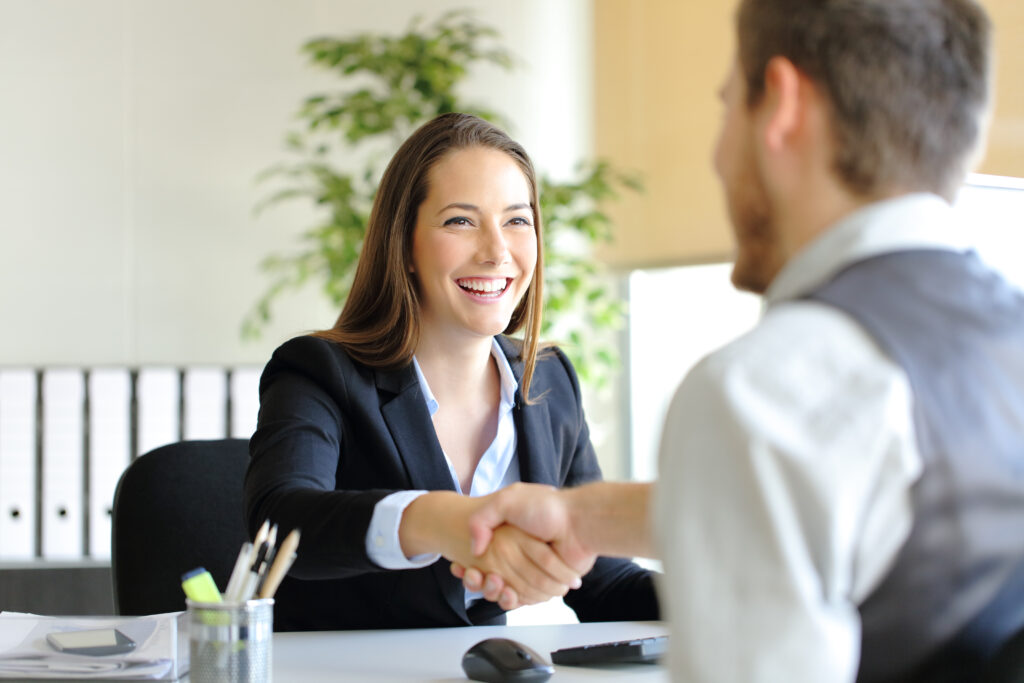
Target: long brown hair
x=379, y=324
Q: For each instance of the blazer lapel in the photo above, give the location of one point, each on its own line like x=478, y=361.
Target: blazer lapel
x=535, y=444
x=408, y=420
x=412, y=430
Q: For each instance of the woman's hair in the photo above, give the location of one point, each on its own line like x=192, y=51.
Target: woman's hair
x=908, y=81
x=379, y=324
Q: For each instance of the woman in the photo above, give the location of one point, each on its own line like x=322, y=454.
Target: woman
x=369, y=432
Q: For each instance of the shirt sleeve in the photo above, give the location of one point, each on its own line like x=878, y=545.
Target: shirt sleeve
x=785, y=470
x=382, y=544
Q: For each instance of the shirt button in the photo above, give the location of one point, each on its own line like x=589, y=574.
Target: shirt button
x=379, y=541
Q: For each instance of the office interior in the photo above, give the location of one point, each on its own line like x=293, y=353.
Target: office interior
x=132, y=135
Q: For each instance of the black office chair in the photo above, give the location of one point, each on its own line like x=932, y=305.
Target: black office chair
x=1007, y=665
x=176, y=508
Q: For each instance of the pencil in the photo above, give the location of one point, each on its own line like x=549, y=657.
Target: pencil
x=282, y=563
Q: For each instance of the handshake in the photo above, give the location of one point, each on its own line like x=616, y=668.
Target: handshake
x=528, y=543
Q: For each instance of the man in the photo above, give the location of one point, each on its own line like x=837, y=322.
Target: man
x=841, y=490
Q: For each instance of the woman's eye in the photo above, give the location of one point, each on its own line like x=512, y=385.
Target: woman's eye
x=458, y=220
x=520, y=220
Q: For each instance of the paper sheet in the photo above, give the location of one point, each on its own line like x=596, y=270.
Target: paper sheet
x=25, y=653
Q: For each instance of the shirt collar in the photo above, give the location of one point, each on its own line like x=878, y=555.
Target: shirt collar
x=913, y=221
x=508, y=381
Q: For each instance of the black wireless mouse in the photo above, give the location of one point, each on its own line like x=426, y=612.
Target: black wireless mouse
x=500, y=660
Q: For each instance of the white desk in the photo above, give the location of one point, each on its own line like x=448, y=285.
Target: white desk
x=436, y=654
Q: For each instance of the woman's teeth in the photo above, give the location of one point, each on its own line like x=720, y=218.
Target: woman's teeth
x=481, y=286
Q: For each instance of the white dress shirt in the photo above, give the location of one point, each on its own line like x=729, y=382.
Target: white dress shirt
x=498, y=467
x=786, y=465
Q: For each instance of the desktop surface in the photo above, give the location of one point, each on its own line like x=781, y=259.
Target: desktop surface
x=436, y=654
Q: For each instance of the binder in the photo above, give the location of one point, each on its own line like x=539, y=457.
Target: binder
x=63, y=483
x=205, y=403
x=109, y=449
x=158, y=394
x=245, y=401
x=18, y=521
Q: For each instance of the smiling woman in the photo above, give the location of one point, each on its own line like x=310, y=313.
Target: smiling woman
x=378, y=436
x=474, y=246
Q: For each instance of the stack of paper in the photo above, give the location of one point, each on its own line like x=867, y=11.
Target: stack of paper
x=161, y=653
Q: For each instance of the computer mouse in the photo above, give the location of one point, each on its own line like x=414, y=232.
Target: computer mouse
x=500, y=660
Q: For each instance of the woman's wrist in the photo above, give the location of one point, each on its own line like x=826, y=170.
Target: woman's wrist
x=432, y=523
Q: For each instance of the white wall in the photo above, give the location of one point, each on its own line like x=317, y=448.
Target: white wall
x=131, y=132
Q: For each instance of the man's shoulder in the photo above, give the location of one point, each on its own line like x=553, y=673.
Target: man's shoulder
x=796, y=343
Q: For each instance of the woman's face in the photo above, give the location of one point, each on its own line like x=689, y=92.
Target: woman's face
x=474, y=246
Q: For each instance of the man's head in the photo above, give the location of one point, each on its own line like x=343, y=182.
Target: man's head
x=907, y=81
x=835, y=103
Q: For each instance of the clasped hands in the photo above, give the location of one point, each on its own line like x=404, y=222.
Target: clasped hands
x=523, y=547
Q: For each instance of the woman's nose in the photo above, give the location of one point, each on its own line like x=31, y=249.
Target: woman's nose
x=492, y=246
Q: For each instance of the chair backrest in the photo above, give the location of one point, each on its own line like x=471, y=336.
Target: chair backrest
x=176, y=508
x=1007, y=665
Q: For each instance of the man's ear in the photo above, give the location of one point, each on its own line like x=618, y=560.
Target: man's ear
x=784, y=98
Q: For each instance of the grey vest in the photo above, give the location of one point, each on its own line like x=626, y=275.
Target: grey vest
x=956, y=590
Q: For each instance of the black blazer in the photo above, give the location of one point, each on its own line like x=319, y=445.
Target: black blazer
x=334, y=437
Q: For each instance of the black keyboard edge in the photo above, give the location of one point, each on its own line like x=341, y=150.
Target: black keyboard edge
x=633, y=651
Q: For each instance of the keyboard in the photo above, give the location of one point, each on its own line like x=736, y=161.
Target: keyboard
x=641, y=650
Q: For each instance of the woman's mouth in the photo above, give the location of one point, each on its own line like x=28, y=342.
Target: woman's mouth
x=488, y=288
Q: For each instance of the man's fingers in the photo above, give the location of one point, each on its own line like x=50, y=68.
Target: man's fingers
x=473, y=580
x=553, y=566
x=493, y=587
x=524, y=562
x=508, y=600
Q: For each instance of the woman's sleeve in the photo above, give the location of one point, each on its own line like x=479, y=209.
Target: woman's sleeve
x=295, y=455
x=615, y=589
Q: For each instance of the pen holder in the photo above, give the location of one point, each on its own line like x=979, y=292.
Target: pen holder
x=231, y=643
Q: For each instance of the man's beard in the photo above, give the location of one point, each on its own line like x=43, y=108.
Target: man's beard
x=757, y=241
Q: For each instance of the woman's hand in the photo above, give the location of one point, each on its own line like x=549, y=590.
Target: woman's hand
x=522, y=569
x=437, y=522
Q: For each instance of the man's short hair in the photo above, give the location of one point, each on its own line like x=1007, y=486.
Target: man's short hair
x=908, y=82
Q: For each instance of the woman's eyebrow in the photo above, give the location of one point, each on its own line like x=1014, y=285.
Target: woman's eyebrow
x=461, y=205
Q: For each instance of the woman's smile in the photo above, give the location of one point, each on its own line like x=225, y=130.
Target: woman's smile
x=485, y=288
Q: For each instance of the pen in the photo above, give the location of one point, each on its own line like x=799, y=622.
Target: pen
x=259, y=565
x=282, y=563
x=199, y=586
x=261, y=537
x=238, y=573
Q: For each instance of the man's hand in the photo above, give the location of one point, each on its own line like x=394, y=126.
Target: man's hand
x=439, y=522
x=526, y=569
x=611, y=518
x=539, y=510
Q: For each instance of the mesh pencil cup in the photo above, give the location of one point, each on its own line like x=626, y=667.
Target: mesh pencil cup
x=231, y=642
